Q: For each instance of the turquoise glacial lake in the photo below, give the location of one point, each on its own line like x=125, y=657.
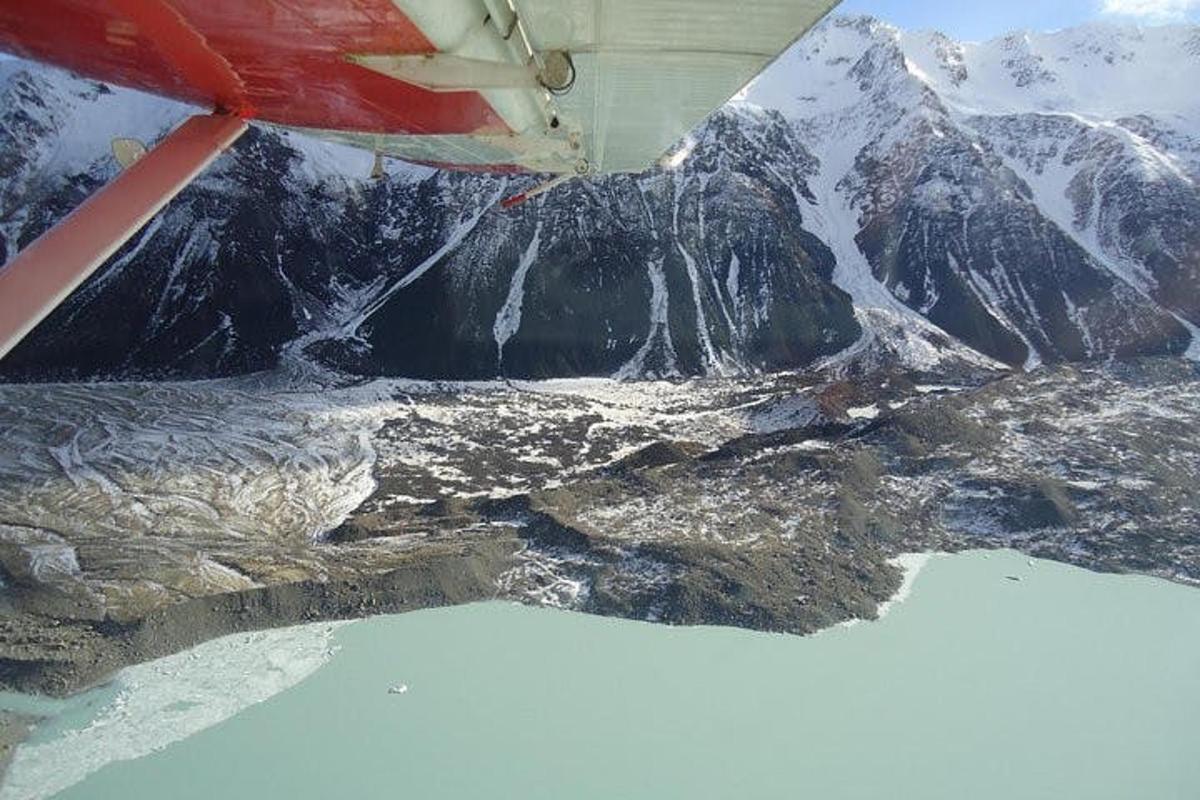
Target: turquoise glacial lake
x=1062, y=684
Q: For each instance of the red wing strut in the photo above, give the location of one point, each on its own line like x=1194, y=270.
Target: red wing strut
x=44, y=273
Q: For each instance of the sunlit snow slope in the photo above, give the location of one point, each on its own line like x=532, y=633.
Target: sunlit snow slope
x=1034, y=195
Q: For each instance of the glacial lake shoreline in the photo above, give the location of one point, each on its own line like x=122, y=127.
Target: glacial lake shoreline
x=760, y=504
x=992, y=652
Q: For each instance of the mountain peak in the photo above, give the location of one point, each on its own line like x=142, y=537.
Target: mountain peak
x=1101, y=71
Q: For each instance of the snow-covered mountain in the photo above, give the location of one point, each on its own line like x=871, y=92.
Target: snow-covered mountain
x=877, y=194
x=1035, y=195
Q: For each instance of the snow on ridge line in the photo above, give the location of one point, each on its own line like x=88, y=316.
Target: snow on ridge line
x=1101, y=72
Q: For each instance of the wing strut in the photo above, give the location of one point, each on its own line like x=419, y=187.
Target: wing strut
x=43, y=274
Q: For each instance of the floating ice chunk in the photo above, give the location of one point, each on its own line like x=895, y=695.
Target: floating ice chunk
x=170, y=699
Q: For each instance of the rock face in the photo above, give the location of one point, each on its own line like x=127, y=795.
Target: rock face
x=707, y=269
x=1034, y=198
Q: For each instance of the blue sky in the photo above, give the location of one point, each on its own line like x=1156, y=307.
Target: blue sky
x=983, y=19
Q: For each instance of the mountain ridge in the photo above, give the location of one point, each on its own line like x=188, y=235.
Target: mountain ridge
x=861, y=198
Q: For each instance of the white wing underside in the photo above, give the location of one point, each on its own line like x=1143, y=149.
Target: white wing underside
x=646, y=72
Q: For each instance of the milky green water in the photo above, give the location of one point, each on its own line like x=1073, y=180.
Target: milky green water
x=1066, y=684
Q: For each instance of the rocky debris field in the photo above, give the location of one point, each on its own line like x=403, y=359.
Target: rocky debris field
x=139, y=519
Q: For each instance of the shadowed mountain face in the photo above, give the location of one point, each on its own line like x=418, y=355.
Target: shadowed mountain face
x=705, y=269
x=987, y=195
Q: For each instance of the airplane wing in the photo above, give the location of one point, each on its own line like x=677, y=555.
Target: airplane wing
x=570, y=87
x=557, y=86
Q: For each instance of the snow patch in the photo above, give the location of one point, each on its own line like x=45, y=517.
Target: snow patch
x=508, y=320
